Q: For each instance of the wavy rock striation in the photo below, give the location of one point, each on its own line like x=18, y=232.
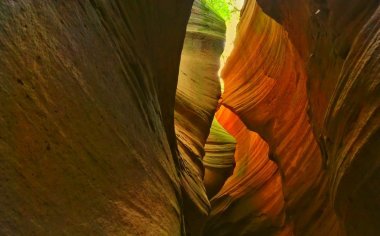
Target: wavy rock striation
x=86, y=123
x=96, y=140
x=265, y=85
x=219, y=159
x=339, y=43
x=198, y=92
x=251, y=202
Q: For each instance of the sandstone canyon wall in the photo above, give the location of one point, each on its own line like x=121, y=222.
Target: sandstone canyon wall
x=87, y=98
x=307, y=80
x=198, y=92
x=219, y=159
x=251, y=202
x=339, y=45
x=265, y=85
x=97, y=137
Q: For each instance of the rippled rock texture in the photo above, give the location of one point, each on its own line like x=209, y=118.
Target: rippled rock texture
x=97, y=137
x=339, y=44
x=251, y=201
x=198, y=92
x=219, y=160
x=307, y=81
x=265, y=85
x=87, y=98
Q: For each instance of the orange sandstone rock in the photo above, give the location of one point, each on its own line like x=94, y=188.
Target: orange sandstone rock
x=251, y=202
x=265, y=85
x=339, y=44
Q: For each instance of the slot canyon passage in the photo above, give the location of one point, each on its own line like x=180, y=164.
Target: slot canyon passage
x=146, y=117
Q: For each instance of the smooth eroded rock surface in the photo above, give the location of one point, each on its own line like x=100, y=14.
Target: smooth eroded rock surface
x=265, y=85
x=86, y=123
x=251, y=202
x=339, y=43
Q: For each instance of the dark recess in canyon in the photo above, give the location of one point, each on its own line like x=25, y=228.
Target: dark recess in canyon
x=114, y=121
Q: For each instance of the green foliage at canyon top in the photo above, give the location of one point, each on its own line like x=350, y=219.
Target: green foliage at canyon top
x=222, y=8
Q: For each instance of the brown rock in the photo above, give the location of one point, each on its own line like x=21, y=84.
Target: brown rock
x=86, y=122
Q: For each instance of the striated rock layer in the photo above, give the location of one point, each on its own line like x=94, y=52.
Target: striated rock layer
x=198, y=92
x=339, y=44
x=219, y=159
x=86, y=123
x=310, y=87
x=265, y=85
x=251, y=202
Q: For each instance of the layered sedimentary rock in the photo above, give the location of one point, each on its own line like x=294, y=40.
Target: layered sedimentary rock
x=265, y=85
x=339, y=43
x=219, y=160
x=197, y=96
x=86, y=123
x=251, y=202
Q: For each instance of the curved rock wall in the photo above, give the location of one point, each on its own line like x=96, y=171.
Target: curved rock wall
x=339, y=41
x=265, y=85
x=86, y=122
x=251, y=201
x=94, y=139
x=198, y=92
x=219, y=158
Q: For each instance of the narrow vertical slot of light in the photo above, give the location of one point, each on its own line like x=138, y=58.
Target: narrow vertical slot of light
x=229, y=10
x=235, y=7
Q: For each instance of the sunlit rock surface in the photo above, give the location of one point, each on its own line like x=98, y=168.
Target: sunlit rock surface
x=265, y=85
x=251, y=202
x=197, y=96
x=87, y=97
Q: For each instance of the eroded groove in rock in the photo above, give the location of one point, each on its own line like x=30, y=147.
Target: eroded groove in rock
x=197, y=96
x=86, y=122
x=219, y=158
x=265, y=84
x=251, y=202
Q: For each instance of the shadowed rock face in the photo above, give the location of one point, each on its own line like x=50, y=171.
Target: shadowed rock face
x=339, y=45
x=86, y=123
